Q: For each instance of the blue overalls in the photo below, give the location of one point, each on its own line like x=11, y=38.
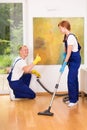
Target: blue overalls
x=72, y=81
x=21, y=87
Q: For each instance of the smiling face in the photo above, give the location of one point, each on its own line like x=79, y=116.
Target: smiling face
x=24, y=51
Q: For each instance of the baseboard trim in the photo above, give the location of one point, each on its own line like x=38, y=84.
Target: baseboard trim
x=46, y=93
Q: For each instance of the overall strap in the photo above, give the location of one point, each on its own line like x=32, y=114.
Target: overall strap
x=15, y=63
x=79, y=47
x=73, y=35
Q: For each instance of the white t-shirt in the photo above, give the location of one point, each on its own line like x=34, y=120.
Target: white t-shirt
x=17, y=71
x=72, y=41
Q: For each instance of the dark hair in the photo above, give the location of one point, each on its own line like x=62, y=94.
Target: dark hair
x=65, y=24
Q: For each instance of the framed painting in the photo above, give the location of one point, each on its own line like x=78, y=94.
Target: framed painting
x=48, y=41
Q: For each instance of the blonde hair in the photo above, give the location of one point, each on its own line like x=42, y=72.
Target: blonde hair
x=22, y=47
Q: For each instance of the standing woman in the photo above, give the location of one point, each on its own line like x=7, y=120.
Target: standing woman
x=72, y=59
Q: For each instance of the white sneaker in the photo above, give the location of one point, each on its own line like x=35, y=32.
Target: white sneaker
x=15, y=99
x=12, y=96
x=67, y=102
x=71, y=104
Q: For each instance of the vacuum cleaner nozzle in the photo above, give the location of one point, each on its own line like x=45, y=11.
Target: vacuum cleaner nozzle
x=46, y=113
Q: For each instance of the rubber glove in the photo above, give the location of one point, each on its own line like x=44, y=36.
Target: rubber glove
x=63, y=67
x=37, y=59
x=64, y=55
x=36, y=73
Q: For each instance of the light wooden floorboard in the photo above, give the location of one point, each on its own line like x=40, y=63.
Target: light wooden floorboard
x=22, y=114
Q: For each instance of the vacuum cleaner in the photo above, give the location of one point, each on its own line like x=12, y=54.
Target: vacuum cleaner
x=57, y=94
x=48, y=112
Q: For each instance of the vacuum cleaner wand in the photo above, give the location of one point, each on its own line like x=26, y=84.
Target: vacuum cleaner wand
x=47, y=112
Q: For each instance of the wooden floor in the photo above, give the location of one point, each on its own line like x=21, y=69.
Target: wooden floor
x=22, y=114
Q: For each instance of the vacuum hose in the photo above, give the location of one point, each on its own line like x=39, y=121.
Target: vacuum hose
x=66, y=98
x=38, y=80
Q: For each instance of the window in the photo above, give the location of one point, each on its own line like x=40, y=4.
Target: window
x=11, y=37
x=11, y=33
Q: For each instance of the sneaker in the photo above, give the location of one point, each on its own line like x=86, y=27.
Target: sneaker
x=67, y=102
x=15, y=99
x=12, y=96
x=71, y=104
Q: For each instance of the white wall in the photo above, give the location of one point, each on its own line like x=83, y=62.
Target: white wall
x=50, y=8
x=53, y=8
